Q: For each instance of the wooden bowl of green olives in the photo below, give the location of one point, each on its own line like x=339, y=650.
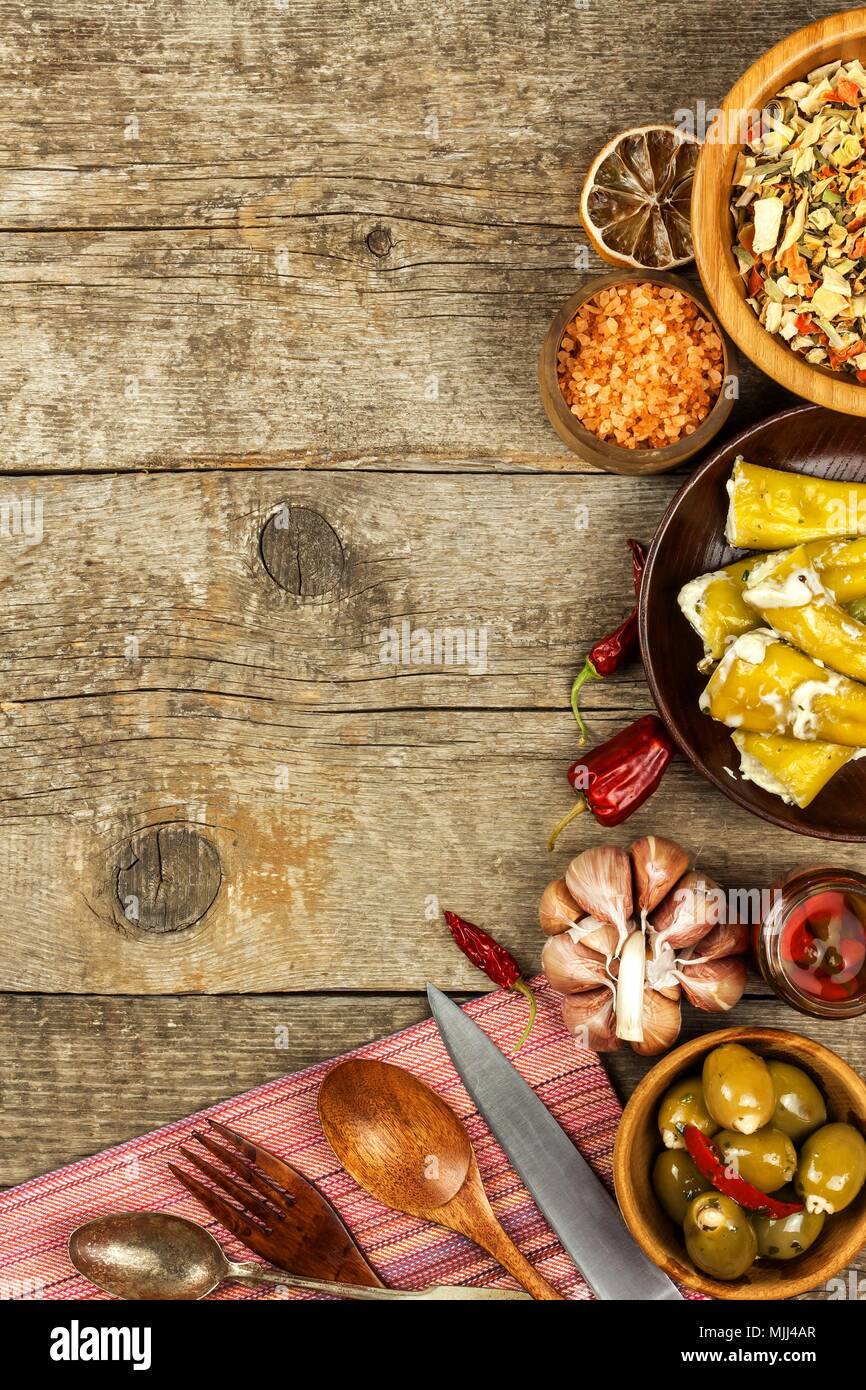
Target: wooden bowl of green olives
x=740, y=1164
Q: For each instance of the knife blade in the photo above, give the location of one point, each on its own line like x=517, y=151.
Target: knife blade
x=568, y=1194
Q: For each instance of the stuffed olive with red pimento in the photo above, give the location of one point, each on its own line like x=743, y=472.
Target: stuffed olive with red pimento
x=751, y=1168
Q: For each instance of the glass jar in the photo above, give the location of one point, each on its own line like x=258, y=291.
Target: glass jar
x=811, y=945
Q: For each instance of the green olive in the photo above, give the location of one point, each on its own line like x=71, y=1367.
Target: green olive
x=738, y=1088
x=832, y=1168
x=720, y=1237
x=786, y=1237
x=676, y=1181
x=767, y=1159
x=684, y=1105
x=800, y=1107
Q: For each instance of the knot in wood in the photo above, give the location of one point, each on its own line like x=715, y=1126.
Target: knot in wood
x=167, y=878
x=302, y=552
x=379, y=240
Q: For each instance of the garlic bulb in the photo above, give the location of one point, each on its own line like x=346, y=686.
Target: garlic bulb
x=727, y=939
x=570, y=966
x=557, y=910
x=688, y=912
x=590, y=1017
x=715, y=986
x=662, y=1020
x=625, y=982
x=599, y=880
x=658, y=865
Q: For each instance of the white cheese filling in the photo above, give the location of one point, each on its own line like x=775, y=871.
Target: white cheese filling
x=796, y=590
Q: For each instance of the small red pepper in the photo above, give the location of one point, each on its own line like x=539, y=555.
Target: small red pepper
x=498, y=964
x=712, y=1166
x=618, y=776
x=614, y=650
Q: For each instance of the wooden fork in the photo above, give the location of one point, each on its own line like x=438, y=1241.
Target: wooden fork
x=284, y=1218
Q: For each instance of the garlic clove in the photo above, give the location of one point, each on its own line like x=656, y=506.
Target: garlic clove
x=598, y=936
x=727, y=939
x=570, y=966
x=630, y=989
x=694, y=906
x=557, y=910
x=658, y=865
x=590, y=1018
x=661, y=973
x=715, y=986
x=662, y=1019
x=600, y=882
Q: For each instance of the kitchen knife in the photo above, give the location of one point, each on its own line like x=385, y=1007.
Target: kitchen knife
x=569, y=1195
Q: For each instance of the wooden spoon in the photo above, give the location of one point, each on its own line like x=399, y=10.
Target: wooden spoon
x=404, y=1146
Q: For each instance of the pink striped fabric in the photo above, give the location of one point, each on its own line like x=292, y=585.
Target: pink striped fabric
x=37, y=1217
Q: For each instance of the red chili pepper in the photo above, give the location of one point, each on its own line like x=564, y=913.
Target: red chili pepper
x=498, y=964
x=618, y=776
x=614, y=650
x=712, y=1166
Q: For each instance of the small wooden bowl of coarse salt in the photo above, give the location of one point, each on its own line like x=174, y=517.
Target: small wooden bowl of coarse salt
x=635, y=372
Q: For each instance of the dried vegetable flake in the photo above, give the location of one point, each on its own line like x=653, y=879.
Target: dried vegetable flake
x=799, y=209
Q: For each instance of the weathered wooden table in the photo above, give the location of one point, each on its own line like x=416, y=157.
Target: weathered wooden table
x=275, y=275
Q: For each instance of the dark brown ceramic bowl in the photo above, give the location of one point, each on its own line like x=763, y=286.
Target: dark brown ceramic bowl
x=613, y=458
x=690, y=541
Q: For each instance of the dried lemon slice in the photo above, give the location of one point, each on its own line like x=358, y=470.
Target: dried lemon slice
x=637, y=197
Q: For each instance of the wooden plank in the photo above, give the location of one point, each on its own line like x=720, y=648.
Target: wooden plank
x=290, y=267
x=90, y=1072
x=337, y=838
x=157, y=349
x=190, y=583
x=170, y=697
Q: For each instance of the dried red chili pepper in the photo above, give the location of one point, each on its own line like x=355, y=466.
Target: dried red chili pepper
x=614, y=650
x=618, y=776
x=712, y=1166
x=498, y=964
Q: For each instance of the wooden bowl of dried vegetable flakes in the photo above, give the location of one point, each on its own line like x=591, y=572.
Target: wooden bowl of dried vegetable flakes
x=779, y=212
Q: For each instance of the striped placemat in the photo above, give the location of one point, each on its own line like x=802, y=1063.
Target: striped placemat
x=37, y=1217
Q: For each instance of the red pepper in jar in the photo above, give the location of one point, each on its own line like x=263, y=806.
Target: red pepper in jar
x=712, y=1166
x=618, y=776
x=498, y=964
x=614, y=650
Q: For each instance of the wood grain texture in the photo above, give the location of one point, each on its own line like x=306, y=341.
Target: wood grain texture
x=339, y=837
x=197, y=196
x=85, y=1072
x=187, y=583
x=302, y=255
x=826, y=40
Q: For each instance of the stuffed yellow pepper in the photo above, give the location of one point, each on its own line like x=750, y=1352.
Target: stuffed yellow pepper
x=789, y=768
x=715, y=603
x=770, y=509
x=765, y=686
x=788, y=593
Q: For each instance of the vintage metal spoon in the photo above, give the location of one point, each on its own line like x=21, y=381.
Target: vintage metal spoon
x=154, y=1255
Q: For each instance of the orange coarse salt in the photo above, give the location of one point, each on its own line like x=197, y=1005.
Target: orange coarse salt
x=640, y=365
